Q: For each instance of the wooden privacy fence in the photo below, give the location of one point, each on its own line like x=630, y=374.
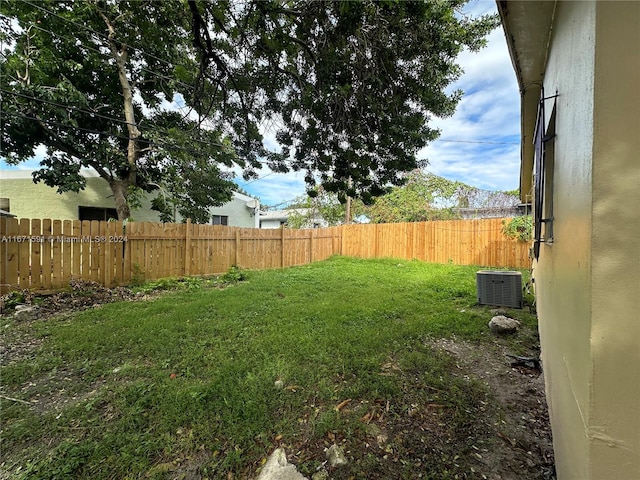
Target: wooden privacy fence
x=47, y=254
x=461, y=242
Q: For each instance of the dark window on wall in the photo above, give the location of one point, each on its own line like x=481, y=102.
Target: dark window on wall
x=544, y=162
x=97, y=213
x=219, y=220
x=549, y=166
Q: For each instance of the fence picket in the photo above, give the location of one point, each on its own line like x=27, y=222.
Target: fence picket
x=76, y=249
x=45, y=256
x=36, y=248
x=67, y=247
x=9, y=255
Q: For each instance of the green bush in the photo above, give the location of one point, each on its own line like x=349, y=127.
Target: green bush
x=234, y=275
x=520, y=228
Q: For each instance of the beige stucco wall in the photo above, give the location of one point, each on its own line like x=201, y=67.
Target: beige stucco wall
x=588, y=279
x=37, y=200
x=563, y=274
x=614, y=426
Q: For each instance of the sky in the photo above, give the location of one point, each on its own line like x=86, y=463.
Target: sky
x=478, y=145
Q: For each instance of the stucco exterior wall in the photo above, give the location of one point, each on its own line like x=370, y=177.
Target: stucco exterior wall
x=238, y=212
x=588, y=278
x=270, y=223
x=614, y=419
x=563, y=273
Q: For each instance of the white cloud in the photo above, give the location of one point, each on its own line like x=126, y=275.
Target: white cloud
x=488, y=112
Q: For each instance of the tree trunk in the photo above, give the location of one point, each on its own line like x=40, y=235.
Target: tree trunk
x=120, y=186
x=347, y=211
x=119, y=189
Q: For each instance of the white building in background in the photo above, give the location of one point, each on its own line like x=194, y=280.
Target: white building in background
x=278, y=218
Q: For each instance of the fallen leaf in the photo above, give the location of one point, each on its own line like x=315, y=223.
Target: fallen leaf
x=343, y=404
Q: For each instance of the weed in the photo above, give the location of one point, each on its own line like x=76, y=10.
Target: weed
x=139, y=276
x=233, y=275
x=14, y=298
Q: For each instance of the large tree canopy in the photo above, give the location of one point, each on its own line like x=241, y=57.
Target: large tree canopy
x=360, y=82
x=159, y=95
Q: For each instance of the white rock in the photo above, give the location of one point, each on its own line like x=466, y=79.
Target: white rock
x=501, y=325
x=277, y=468
x=335, y=456
x=25, y=312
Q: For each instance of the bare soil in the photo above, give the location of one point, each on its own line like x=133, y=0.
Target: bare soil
x=525, y=449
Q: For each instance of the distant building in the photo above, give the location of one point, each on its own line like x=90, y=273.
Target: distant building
x=21, y=197
x=492, y=212
x=278, y=218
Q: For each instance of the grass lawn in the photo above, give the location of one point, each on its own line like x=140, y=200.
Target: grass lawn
x=206, y=382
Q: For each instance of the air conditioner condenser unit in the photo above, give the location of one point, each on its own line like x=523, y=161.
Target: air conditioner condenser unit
x=499, y=288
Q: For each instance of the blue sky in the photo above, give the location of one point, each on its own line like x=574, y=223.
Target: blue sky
x=479, y=144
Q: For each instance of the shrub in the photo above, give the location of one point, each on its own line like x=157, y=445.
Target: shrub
x=520, y=228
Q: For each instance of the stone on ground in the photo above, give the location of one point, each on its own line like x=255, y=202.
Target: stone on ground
x=277, y=468
x=503, y=325
x=335, y=456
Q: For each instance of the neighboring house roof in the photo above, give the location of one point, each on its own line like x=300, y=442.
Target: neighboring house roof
x=490, y=212
x=281, y=215
x=22, y=174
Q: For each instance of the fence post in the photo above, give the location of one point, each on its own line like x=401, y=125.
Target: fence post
x=311, y=245
x=187, y=248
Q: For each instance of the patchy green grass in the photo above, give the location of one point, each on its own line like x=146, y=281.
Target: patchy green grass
x=209, y=381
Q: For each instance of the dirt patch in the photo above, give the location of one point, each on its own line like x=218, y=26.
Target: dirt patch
x=525, y=449
x=58, y=388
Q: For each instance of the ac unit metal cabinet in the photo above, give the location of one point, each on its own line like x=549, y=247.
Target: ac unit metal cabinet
x=499, y=288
